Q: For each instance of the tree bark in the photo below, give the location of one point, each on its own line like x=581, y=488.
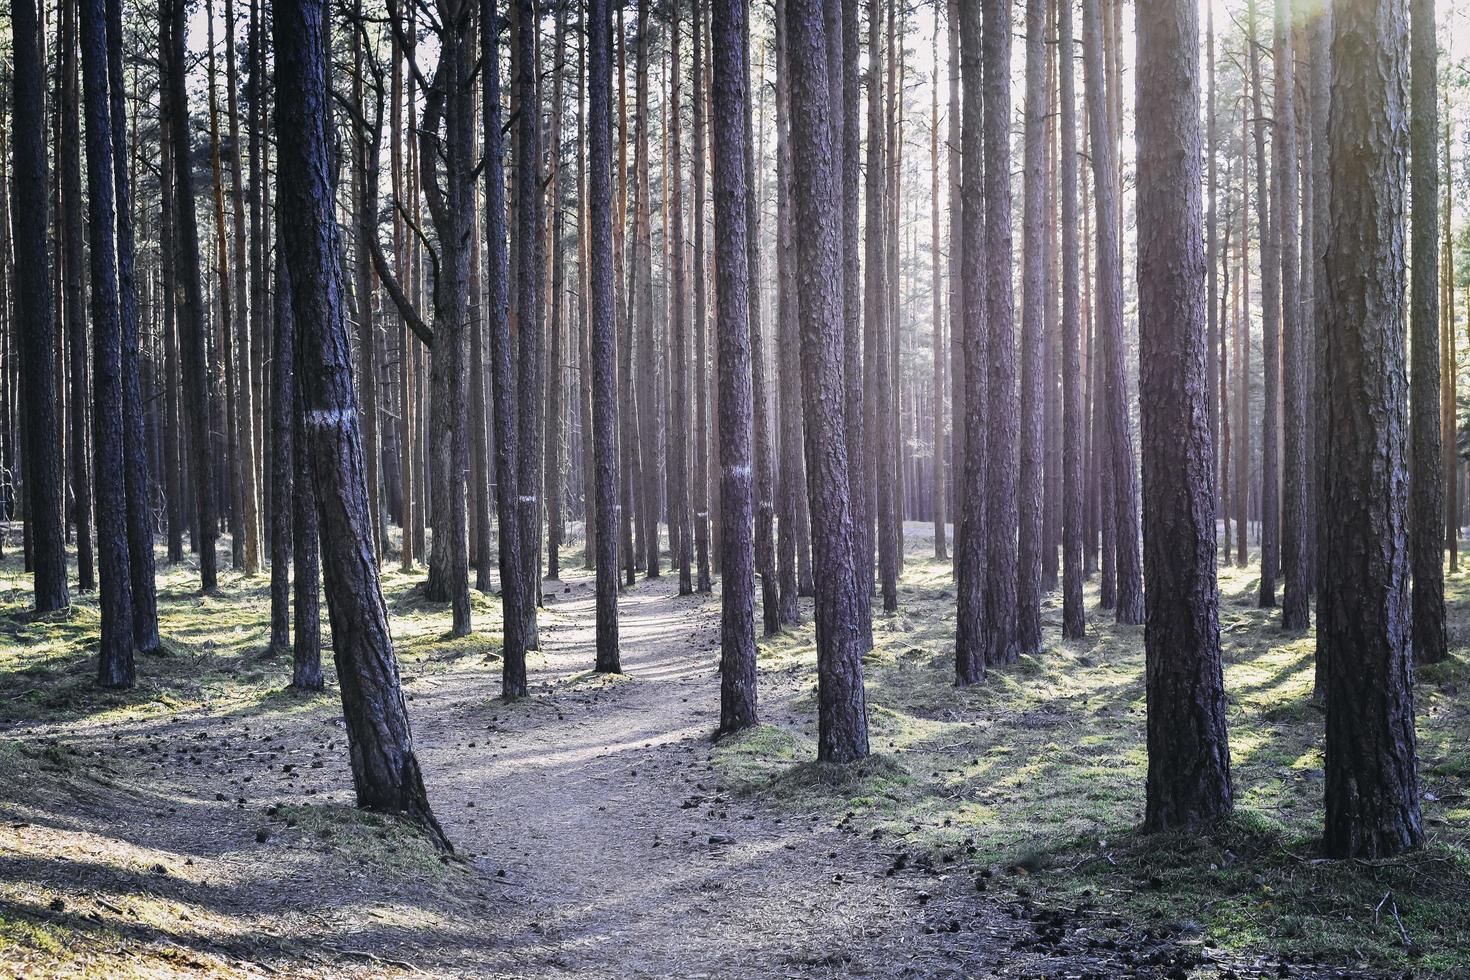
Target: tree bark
x=1000, y=355
x=730, y=82
x=114, y=564
x=1188, y=752
x=1294, y=615
x=385, y=769
x=842, y=708
x=1426, y=476
x=189, y=304
x=1372, y=783
x=1074, y=616
x=971, y=539
x=604, y=326
x=1124, y=483
x=1031, y=478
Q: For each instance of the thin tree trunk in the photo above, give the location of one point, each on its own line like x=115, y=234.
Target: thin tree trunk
x=681, y=528
x=1114, y=391
x=603, y=332
x=730, y=77
x=1294, y=615
x=1426, y=474
x=1270, y=328
x=1031, y=479
x=1074, y=616
x=971, y=539
x=190, y=313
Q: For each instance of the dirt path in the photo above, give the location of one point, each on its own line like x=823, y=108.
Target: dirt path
x=622, y=857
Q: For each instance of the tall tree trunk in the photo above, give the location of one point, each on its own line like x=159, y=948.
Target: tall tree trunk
x=971, y=539
x=73, y=294
x=190, y=313
x=555, y=322
x=114, y=564
x=1002, y=406
x=879, y=450
x=240, y=326
x=1124, y=484
x=283, y=400
x=681, y=528
x=699, y=478
x=939, y=487
x=529, y=305
x=365, y=208
x=1074, y=616
x=731, y=79
x=135, y=441
x=791, y=504
x=603, y=332
x=385, y=769
x=1030, y=480
x=957, y=336
x=765, y=478
x=516, y=591
x=1270, y=502
x=1188, y=752
x=1294, y=615
x=1372, y=783
x=642, y=300
x=1243, y=350
x=842, y=707
x=1426, y=475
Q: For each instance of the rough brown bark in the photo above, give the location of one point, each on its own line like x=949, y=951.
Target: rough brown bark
x=385, y=769
x=842, y=706
x=730, y=84
x=603, y=330
x=114, y=564
x=970, y=532
x=1188, y=752
x=1372, y=784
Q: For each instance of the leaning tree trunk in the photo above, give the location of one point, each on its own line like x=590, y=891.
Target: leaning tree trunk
x=384, y=767
x=1363, y=624
x=1188, y=752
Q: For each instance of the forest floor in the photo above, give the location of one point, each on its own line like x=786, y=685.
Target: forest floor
x=202, y=823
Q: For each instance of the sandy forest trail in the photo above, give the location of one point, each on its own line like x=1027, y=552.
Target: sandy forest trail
x=622, y=856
